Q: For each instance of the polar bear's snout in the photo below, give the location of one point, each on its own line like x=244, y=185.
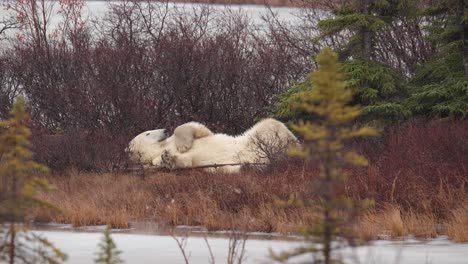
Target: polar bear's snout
x=165, y=134
x=157, y=135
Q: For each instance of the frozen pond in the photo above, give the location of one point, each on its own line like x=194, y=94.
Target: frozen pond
x=96, y=9
x=81, y=247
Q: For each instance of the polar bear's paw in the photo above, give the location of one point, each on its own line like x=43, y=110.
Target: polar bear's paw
x=183, y=146
x=168, y=160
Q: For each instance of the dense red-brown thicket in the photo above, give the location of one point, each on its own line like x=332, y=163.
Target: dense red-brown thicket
x=417, y=178
x=419, y=165
x=140, y=67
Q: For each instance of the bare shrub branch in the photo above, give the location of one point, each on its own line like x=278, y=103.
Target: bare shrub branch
x=182, y=244
x=236, y=249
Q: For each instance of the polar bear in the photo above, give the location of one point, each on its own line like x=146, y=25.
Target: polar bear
x=194, y=145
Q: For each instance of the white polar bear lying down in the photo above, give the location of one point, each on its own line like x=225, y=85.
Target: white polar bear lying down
x=194, y=145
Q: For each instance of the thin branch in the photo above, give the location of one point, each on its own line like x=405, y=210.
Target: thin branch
x=212, y=259
x=153, y=168
x=181, y=243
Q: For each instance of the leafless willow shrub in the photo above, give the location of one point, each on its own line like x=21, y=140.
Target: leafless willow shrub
x=7, y=24
x=198, y=64
x=81, y=150
x=33, y=18
x=236, y=249
x=271, y=153
x=295, y=37
x=301, y=34
x=321, y=4
x=404, y=45
x=145, y=66
x=182, y=244
x=9, y=89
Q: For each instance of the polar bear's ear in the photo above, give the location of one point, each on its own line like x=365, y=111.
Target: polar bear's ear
x=185, y=134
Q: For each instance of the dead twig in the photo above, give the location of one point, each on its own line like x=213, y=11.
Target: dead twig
x=182, y=243
x=236, y=251
x=158, y=169
x=212, y=259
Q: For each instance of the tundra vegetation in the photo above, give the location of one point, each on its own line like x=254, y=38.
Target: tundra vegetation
x=91, y=85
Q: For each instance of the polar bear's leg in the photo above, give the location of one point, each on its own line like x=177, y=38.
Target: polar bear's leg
x=170, y=161
x=272, y=132
x=185, y=134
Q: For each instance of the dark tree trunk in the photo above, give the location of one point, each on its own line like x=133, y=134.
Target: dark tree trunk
x=463, y=28
x=12, y=249
x=366, y=32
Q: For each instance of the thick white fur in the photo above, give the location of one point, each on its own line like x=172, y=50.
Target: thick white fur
x=192, y=145
x=185, y=134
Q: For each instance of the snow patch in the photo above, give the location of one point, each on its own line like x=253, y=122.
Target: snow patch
x=142, y=249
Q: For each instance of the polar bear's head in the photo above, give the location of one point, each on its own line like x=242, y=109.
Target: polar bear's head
x=147, y=145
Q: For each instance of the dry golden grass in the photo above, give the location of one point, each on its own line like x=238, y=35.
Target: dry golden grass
x=220, y=202
x=98, y=199
x=392, y=222
x=368, y=228
x=457, y=227
x=210, y=200
x=420, y=225
x=386, y=222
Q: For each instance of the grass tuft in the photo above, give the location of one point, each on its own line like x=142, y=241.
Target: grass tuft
x=457, y=227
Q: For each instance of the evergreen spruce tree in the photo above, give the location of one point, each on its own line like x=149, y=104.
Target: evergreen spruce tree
x=379, y=88
x=323, y=140
x=109, y=253
x=440, y=87
x=284, y=110
x=19, y=187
